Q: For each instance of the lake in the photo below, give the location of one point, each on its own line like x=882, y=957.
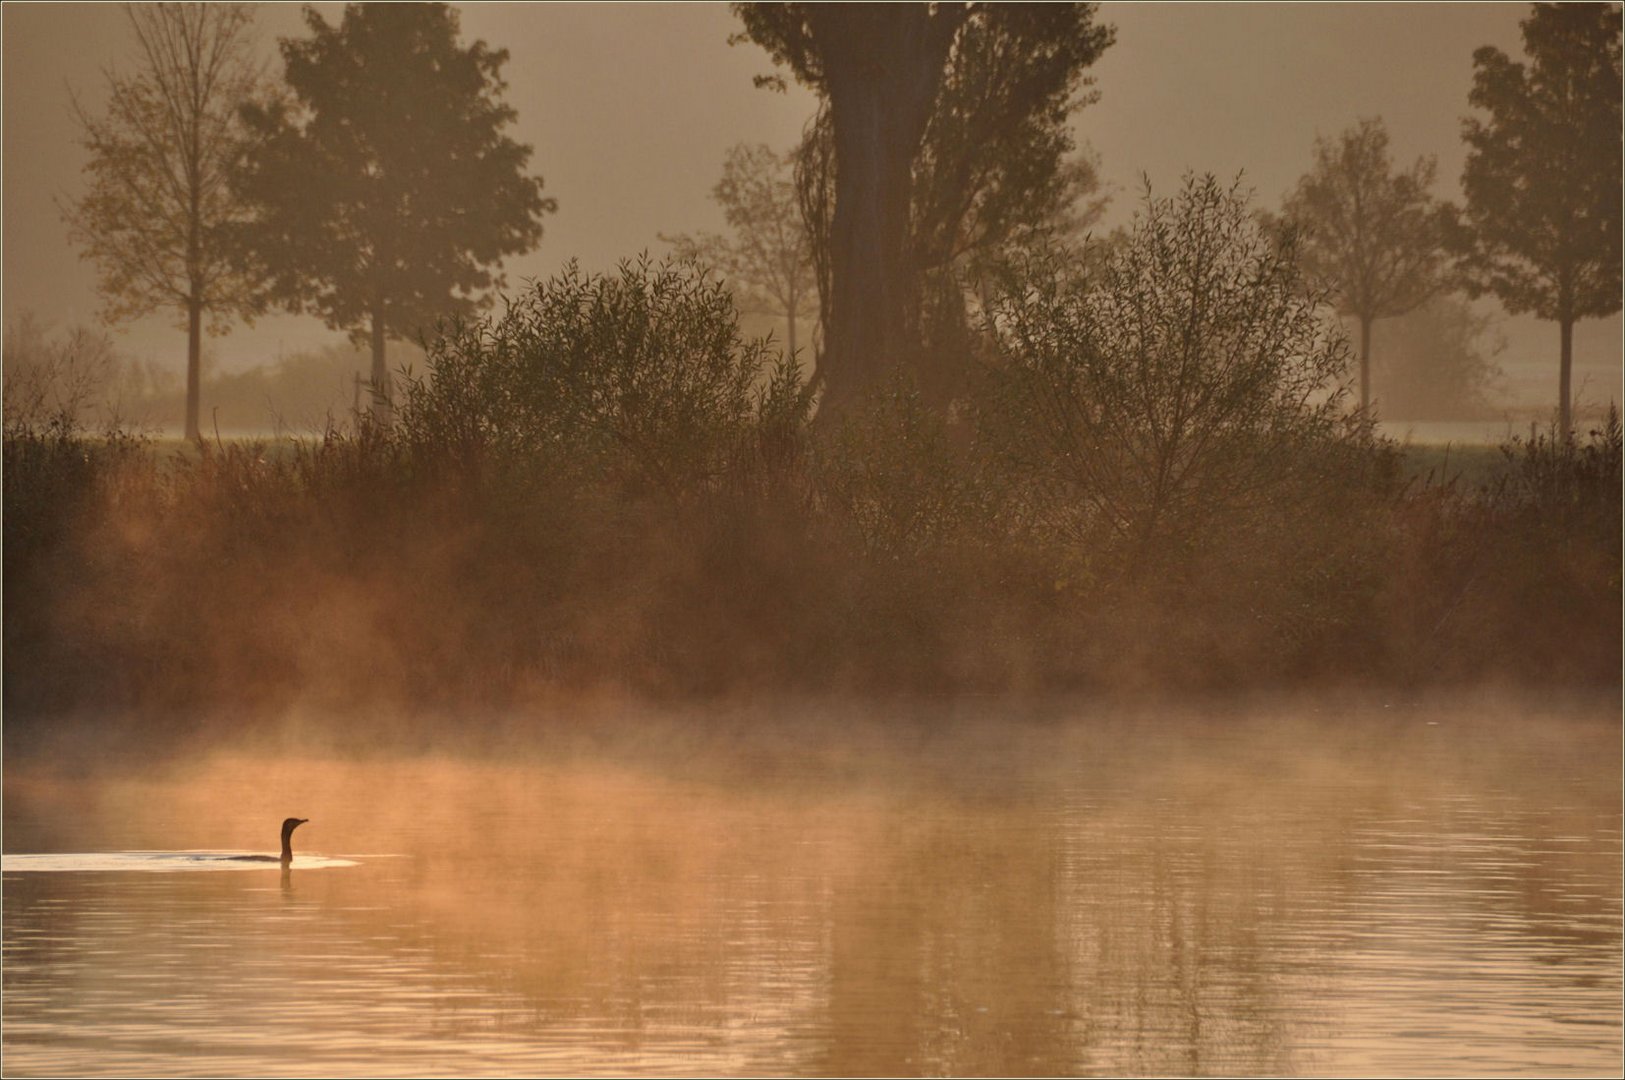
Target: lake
x=1017, y=889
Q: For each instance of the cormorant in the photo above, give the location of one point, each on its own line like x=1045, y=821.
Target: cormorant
x=288, y=826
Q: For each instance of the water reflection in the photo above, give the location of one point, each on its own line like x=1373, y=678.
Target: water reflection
x=1216, y=898
x=160, y=862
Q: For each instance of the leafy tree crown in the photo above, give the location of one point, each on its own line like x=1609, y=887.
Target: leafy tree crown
x=387, y=186
x=1541, y=228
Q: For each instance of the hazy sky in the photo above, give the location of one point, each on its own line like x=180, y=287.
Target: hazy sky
x=630, y=108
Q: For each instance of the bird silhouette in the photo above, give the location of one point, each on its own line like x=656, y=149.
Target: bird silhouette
x=288, y=826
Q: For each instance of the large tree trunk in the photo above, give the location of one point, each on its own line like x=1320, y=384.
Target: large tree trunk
x=383, y=401
x=194, y=363
x=883, y=64
x=1365, y=363
x=875, y=294
x=1565, y=367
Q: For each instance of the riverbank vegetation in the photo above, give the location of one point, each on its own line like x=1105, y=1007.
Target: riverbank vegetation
x=1154, y=483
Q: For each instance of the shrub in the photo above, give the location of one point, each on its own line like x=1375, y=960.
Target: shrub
x=56, y=382
x=1569, y=484
x=1189, y=376
x=640, y=376
x=1519, y=577
x=894, y=473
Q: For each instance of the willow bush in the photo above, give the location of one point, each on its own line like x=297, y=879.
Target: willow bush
x=640, y=377
x=1183, y=375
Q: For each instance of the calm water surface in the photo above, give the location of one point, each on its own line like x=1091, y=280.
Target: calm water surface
x=1399, y=893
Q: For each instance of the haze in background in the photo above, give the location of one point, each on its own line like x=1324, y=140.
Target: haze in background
x=630, y=109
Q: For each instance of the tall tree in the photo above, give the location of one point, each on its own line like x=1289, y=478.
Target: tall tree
x=768, y=259
x=985, y=77
x=387, y=189
x=159, y=217
x=879, y=66
x=1373, y=238
x=1542, y=223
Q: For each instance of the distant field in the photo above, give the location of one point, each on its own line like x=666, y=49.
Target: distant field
x=1455, y=432
x=1469, y=464
x=169, y=447
x=1469, y=451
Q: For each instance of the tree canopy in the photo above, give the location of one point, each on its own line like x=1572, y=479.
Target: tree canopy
x=998, y=152
x=1541, y=228
x=387, y=187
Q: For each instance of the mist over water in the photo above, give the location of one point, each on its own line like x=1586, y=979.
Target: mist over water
x=1055, y=888
x=971, y=615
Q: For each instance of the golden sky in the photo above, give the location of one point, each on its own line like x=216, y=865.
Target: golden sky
x=630, y=108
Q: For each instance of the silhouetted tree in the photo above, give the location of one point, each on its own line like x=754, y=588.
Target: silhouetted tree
x=159, y=215
x=988, y=87
x=388, y=188
x=1371, y=237
x=1542, y=221
x=768, y=260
